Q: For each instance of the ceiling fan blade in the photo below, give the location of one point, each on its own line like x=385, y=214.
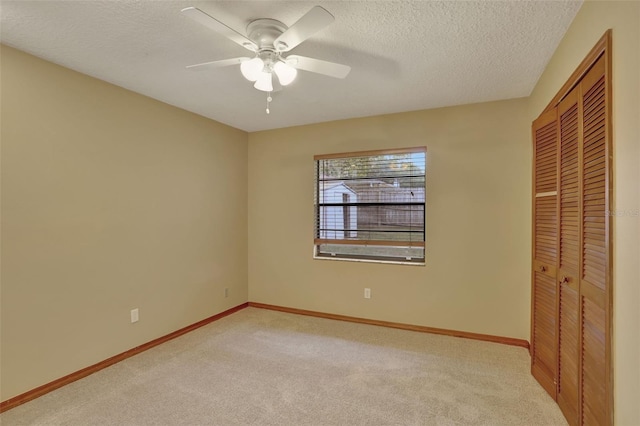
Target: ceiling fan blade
x=217, y=26
x=318, y=66
x=217, y=64
x=312, y=22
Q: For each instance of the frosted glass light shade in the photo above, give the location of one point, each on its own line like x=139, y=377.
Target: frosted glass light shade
x=251, y=69
x=285, y=72
x=264, y=82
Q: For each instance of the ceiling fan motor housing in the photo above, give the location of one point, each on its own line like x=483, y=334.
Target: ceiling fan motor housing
x=264, y=32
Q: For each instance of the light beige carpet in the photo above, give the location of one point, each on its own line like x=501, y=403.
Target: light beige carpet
x=259, y=367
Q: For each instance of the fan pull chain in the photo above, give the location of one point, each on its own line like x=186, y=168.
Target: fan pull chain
x=269, y=99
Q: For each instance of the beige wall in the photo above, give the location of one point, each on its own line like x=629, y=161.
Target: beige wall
x=110, y=201
x=478, y=227
x=593, y=19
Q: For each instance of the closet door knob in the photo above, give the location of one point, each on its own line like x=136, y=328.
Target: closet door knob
x=543, y=269
x=564, y=280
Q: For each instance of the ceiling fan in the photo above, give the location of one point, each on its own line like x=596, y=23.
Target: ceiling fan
x=269, y=40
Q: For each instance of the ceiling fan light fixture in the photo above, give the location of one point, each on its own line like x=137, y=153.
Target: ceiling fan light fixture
x=264, y=82
x=252, y=69
x=285, y=72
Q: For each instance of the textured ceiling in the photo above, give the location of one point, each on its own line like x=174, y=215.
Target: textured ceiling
x=405, y=55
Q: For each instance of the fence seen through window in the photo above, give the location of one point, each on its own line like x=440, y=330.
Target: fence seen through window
x=371, y=205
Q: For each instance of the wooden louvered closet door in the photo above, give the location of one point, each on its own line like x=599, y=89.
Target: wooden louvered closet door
x=595, y=327
x=568, y=255
x=571, y=303
x=584, y=325
x=543, y=322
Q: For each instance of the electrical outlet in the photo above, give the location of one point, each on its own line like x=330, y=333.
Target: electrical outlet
x=226, y=292
x=367, y=293
x=135, y=315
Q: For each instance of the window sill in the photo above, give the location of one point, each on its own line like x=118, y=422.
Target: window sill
x=393, y=262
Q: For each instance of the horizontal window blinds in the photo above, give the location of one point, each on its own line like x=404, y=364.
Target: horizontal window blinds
x=371, y=198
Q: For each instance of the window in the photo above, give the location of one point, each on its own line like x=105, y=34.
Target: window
x=371, y=205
